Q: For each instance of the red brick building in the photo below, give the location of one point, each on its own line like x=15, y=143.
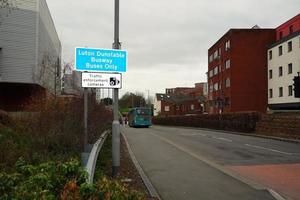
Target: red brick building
x=237, y=71
x=199, y=90
x=288, y=27
x=177, y=104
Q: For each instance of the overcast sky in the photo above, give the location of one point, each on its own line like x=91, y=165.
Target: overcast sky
x=166, y=40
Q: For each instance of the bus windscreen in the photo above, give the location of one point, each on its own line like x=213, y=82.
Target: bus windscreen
x=143, y=111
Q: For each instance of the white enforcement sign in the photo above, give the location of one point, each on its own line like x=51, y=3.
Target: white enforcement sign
x=101, y=80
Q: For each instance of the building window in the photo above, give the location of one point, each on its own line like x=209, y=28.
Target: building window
x=211, y=58
x=280, y=71
x=227, y=82
x=291, y=29
x=216, y=87
x=280, y=34
x=211, y=88
x=215, y=54
x=220, y=52
x=270, y=93
x=270, y=74
x=227, y=45
x=280, y=91
x=167, y=108
x=290, y=90
x=215, y=70
x=211, y=73
x=192, y=107
x=227, y=64
x=270, y=55
x=280, y=50
x=290, y=68
x=290, y=46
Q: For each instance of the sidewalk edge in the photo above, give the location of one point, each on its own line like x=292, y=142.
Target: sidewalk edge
x=152, y=191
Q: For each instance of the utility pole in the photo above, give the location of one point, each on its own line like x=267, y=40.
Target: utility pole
x=116, y=124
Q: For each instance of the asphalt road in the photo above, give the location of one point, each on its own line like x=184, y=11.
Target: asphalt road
x=201, y=164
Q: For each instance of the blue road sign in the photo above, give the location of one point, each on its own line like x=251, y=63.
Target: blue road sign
x=100, y=60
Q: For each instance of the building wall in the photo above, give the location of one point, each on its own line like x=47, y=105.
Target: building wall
x=30, y=48
x=199, y=89
x=157, y=107
x=202, y=88
x=48, y=68
x=249, y=70
x=247, y=90
x=30, y=53
x=217, y=95
x=286, y=79
x=284, y=29
x=166, y=108
x=178, y=90
x=18, y=42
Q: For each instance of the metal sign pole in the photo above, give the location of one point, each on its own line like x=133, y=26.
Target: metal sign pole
x=116, y=124
x=85, y=99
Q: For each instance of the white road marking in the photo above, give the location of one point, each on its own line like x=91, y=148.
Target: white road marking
x=204, y=135
x=274, y=150
x=193, y=134
x=220, y=138
x=225, y=139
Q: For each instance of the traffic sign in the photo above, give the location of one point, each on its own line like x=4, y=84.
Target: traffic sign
x=100, y=60
x=101, y=80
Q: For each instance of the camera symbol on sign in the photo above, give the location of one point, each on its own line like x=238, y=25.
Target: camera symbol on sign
x=113, y=81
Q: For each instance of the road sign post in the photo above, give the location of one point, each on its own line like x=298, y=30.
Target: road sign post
x=85, y=110
x=105, y=60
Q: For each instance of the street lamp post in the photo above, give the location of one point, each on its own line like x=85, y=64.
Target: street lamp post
x=116, y=123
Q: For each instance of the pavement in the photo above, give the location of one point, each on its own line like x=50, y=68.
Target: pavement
x=202, y=164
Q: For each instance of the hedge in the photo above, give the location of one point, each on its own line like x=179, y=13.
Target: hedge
x=242, y=122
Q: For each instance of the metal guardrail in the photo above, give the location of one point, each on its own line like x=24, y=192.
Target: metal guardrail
x=93, y=157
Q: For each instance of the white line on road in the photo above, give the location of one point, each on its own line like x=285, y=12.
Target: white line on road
x=274, y=150
x=220, y=138
x=225, y=139
x=193, y=134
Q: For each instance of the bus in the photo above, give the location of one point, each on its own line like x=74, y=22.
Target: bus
x=139, y=117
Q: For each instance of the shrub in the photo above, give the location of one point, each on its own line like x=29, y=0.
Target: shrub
x=53, y=130
x=244, y=122
x=66, y=181
x=43, y=181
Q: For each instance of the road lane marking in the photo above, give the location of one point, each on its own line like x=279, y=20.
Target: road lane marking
x=274, y=150
x=225, y=139
x=193, y=134
x=220, y=138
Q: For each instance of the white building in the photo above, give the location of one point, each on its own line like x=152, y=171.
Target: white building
x=157, y=104
x=283, y=66
x=30, y=47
